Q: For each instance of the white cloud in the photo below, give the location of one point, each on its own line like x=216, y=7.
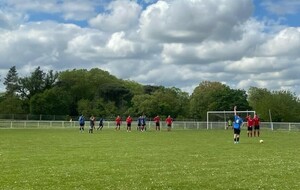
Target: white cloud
x=172, y=43
x=120, y=15
x=194, y=20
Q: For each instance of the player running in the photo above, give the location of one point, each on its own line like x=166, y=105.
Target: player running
x=238, y=123
x=101, y=120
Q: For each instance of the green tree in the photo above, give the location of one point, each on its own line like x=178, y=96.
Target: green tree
x=10, y=104
x=36, y=83
x=163, y=102
x=51, y=102
x=284, y=105
x=215, y=96
x=11, y=81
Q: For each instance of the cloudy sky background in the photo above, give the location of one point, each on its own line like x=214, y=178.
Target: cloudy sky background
x=180, y=43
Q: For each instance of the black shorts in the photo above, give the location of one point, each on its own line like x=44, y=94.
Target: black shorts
x=250, y=128
x=157, y=124
x=169, y=125
x=256, y=127
x=81, y=124
x=128, y=124
x=236, y=131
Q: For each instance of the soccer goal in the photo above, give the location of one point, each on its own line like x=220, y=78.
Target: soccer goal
x=221, y=119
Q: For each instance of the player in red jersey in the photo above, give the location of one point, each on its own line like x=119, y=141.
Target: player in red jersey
x=250, y=124
x=157, y=123
x=256, y=125
x=118, y=123
x=129, y=121
x=169, y=122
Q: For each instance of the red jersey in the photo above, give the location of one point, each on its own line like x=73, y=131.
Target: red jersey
x=256, y=121
x=129, y=120
x=250, y=121
x=169, y=120
x=156, y=119
x=118, y=120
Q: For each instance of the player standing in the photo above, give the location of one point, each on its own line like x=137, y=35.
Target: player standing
x=118, y=123
x=256, y=125
x=238, y=123
x=169, y=122
x=129, y=121
x=250, y=123
x=81, y=123
x=92, y=124
x=157, y=123
x=139, y=122
x=143, y=123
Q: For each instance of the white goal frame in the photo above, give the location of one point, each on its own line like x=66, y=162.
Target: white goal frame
x=225, y=112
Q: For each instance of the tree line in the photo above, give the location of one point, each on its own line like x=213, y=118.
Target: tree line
x=97, y=92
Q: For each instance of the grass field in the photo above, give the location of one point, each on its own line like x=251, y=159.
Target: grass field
x=182, y=159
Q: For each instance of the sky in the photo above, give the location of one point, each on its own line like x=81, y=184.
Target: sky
x=173, y=43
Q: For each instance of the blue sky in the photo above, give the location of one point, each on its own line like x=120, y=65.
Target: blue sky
x=240, y=43
x=287, y=12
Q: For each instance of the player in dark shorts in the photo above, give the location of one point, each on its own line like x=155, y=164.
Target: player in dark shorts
x=250, y=123
x=169, y=122
x=129, y=121
x=139, y=123
x=100, y=124
x=256, y=125
x=143, y=124
x=81, y=123
x=238, y=123
x=118, y=123
x=157, y=123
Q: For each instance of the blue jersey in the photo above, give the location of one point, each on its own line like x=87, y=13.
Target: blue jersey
x=237, y=122
x=81, y=120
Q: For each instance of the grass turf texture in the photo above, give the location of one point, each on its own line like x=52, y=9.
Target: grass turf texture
x=182, y=159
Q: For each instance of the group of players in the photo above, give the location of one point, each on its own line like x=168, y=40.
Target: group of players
x=251, y=123
x=141, y=123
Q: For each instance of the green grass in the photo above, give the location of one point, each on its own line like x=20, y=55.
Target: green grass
x=183, y=159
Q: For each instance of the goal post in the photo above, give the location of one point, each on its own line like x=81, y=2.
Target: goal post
x=220, y=118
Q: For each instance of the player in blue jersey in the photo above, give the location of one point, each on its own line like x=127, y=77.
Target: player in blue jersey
x=237, y=124
x=81, y=121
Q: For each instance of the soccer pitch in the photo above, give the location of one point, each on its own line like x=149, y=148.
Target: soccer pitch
x=180, y=159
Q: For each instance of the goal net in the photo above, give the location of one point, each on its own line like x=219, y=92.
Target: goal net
x=223, y=119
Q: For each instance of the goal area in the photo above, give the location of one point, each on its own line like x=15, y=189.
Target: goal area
x=220, y=119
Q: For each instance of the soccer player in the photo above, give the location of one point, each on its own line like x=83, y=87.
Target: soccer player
x=256, y=125
x=92, y=124
x=143, y=123
x=157, y=123
x=81, y=123
x=229, y=124
x=129, y=121
x=169, y=122
x=250, y=123
x=101, y=120
x=139, y=122
x=118, y=123
x=237, y=124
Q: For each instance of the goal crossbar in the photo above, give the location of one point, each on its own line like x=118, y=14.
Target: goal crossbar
x=226, y=112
